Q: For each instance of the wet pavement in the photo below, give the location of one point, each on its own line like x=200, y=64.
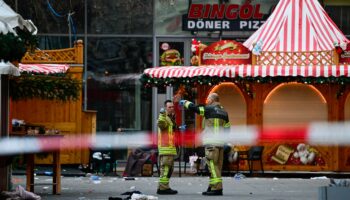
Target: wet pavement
x=189, y=187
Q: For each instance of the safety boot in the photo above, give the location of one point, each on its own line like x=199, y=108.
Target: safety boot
x=213, y=193
x=167, y=191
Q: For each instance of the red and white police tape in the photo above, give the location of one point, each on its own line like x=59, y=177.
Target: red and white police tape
x=316, y=134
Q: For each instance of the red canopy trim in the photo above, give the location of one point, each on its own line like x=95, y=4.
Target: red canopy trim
x=44, y=68
x=248, y=71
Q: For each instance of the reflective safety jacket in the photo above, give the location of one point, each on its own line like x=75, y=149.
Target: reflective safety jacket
x=215, y=120
x=166, y=142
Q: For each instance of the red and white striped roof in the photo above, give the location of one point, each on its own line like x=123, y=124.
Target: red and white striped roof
x=44, y=68
x=248, y=71
x=295, y=26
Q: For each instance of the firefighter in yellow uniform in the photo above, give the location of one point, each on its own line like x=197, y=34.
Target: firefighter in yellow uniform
x=166, y=147
x=215, y=122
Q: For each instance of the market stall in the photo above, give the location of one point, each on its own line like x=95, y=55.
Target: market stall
x=294, y=78
x=14, y=32
x=48, y=95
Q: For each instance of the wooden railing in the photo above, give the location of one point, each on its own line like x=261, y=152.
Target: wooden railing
x=60, y=56
x=297, y=58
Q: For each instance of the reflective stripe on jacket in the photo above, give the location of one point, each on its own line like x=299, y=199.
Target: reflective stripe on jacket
x=215, y=120
x=166, y=143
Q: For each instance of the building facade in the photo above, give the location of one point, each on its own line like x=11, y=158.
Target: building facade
x=122, y=38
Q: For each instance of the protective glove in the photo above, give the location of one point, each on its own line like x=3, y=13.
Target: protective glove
x=182, y=102
x=182, y=128
x=162, y=114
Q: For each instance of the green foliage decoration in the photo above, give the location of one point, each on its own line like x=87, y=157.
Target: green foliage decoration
x=30, y=41
x=148, y=81
x=35, y=85
x=13, y=47
x=60, y=87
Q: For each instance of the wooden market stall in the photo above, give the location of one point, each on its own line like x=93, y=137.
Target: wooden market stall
x=67, y=117
x=294, y=78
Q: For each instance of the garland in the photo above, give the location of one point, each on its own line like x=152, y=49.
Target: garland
x=13, y=47
x=147, y=81
x=213, y=80
x=50, y=87
x=35, y=85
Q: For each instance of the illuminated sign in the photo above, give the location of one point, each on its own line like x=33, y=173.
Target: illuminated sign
x=223, y=17
x=345, y=57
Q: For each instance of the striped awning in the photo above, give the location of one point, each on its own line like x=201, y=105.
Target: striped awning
x=44, y=68
x=295, y=26
x=248, y=71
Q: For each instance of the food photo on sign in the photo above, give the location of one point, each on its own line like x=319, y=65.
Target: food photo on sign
x=171, y=53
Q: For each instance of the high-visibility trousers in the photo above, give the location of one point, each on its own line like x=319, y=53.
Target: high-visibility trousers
x=214, y=159
x=166, y=170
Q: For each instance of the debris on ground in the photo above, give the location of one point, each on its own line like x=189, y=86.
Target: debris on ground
x=339, y=183
x=19, y=194
x=239, y=176
x=135, y=195
x=319, y=178
x=129, y=178
x=143, y=197
x=115, y=198
x=95, y=179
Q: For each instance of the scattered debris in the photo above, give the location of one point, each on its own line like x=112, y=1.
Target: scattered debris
x=19, y=194
x=134, y=195
x=143, y=197
x=319, y=178
x=129, y=178
x=97, y=155
x=95, y=179
x=239, y=176
x=48, y=173
x=45, y=187
x=115, y=198
x=339, y=183
x=131, y=192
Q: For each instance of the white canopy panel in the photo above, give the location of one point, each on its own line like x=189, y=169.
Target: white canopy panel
x=9, y=20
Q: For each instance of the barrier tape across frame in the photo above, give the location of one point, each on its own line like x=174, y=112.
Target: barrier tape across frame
x=315, y=134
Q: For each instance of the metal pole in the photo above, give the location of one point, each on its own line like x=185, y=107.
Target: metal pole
x=137, y=104
x=69, y=31
x=85, y=57
x=154, y=89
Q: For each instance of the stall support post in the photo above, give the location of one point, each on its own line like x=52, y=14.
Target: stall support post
x=335, y=57
x=5, y=172
x=254, y=59
x=79, y=51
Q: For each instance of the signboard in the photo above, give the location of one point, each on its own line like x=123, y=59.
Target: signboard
x=345, y=55
x=225, y=52
x=223, y=17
